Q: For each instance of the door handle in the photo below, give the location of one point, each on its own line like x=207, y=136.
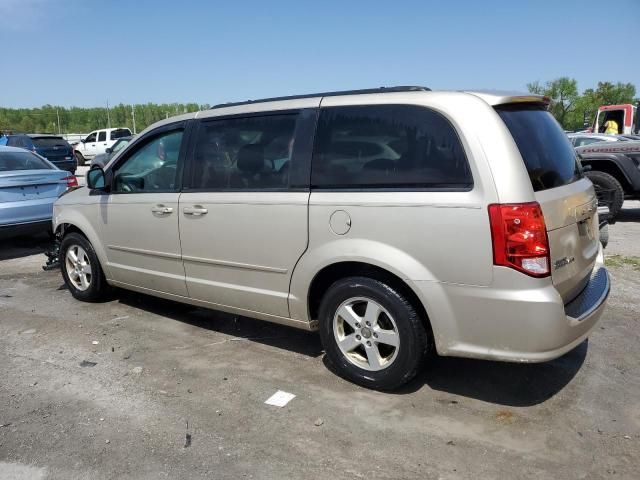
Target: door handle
x=196, y=211
x=162, y=210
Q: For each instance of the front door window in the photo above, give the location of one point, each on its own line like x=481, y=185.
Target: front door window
x=152, y=168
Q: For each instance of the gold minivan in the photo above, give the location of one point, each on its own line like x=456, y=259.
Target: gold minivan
x=395, y=221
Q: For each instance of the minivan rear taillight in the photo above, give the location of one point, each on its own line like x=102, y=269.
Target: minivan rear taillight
x=71, y=180
x=520, y=238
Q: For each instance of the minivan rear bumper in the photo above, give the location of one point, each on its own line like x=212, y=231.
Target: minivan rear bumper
x=526, y=324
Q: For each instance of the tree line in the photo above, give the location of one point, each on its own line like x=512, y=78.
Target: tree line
x=575, y=110
x=83, y=120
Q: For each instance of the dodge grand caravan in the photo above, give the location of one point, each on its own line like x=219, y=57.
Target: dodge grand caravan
x=394, y=221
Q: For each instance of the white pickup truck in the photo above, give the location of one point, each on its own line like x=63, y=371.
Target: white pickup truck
x=97, y=142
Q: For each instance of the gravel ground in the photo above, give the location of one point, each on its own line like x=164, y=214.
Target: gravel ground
x=171, y=391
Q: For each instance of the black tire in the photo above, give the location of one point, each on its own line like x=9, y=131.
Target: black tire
x=412, y=335
x=604, y=236
x=98, y=288
x=604, y=181
x=80, y=159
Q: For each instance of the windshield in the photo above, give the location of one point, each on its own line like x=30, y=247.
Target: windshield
x=10, y=161
x=545, y=149
x=119, y=145
x=49, y=142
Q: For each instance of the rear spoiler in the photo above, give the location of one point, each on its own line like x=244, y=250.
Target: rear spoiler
x=495, y=98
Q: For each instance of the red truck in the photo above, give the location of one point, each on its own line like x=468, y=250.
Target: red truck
x=625, y=115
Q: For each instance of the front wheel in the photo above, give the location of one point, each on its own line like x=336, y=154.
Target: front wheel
x=371, y=333
x=81, y=269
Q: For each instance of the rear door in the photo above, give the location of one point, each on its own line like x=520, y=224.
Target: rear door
x=102, y=143
x=243, y=217
x=567, y=199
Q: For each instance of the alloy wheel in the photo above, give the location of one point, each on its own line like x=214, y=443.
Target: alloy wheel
x=78, y=267
x=366, y=334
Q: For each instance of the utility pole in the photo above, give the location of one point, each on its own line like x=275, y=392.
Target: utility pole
x=133, y=117
x=108, y=116
x=58, y=115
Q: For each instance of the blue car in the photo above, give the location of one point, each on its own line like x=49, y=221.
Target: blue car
x=29, y=185
x=52, y=147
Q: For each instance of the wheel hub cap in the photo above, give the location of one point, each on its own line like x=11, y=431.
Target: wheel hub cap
x=78, y=267
x=366, y=334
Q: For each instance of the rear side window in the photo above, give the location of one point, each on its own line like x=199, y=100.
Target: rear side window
x=387, y=146
x=119, y=133
x=102, y=136
x=50, y=142
x=544, y=147
x=249, y=153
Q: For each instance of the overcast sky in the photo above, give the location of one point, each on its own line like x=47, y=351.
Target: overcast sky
x=84, y=52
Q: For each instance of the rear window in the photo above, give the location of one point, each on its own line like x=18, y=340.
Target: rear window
x=10, y=161
x=119, y=133
x=387, y=146
x=545, y=148
x=49, y=142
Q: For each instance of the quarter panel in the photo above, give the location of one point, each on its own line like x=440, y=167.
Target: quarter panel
x=418, y=236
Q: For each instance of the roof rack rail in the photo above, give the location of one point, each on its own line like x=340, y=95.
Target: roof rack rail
x=407, y=88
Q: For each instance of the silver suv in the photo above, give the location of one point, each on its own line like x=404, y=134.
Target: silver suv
x=395, y=221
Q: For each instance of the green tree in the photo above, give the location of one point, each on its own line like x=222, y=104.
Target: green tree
x=575, y=111
x=563, y=93
x=83, y=120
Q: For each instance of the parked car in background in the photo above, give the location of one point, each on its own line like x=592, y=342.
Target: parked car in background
x=52, y=147
x=97, y=143
x=474, y=232
x=613, y=168
x=580, y=139
x=29, y=184
x=103, y=158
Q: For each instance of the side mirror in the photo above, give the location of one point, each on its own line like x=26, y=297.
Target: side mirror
x=96, y=179
x=108, y=150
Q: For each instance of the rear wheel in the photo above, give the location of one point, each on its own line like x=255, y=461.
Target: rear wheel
x=371, y=333
x=608, y=189
x=80, y=159
x=81, y=269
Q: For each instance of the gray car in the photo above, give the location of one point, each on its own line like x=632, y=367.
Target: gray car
x=471, y=231
x=102, y=159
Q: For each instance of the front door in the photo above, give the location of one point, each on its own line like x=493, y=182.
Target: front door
x=243, y=217
x=90, y=144
x=140, y=216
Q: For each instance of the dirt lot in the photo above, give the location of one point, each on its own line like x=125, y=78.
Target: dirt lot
x=178, y=392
